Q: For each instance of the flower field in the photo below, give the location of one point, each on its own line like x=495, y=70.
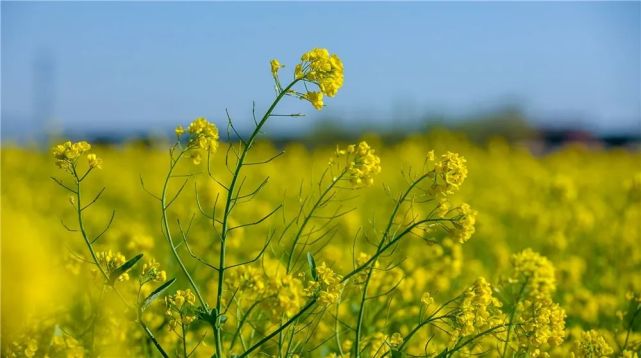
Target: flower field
x=430, y=246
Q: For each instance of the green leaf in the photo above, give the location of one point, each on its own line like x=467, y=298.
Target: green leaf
x=152, y=296
x=124, y=268
x=312, y=266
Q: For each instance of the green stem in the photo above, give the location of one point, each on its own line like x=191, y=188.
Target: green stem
x=82, y=226
x=226, y=214
x=470, y=340
x=167, y=231
x=419, y=326
x=95, y=258
x=244, y=318
x=153, y=339
x=266, y=339
x=627, y=335
x=388, y=228
x=512, y=315
x=361, y=312
x=337, y=331
x=372, y=262
x=184, y=339
x=308, y=217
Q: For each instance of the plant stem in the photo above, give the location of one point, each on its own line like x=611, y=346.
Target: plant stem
x=458, y=347
x=372, y=262
x=95, y=258
x=226, y=214
x=167, y=231
x=153, y=339
x=82, y=226
x=512, y=315
x=627, y=334
x=308, y=216
x=184, y=339
x=265, y=339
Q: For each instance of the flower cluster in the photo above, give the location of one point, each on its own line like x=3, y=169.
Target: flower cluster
x=111, y=261
x=478, y=310
x=541, y=322
x=362, y=259
x=592, y=344
x=67, y=154
x=286, y=295
x=322, y=68
x=249, y=280
x=202, y=135
x=66, y=346
x=275, y=66
x=363, y=164
x=280, y=293
x=396, y=340
x=327, y=288
x=427, y=300
x=151, y=272
x=379, y=344
x=315, y=98
x=464, y=225
x=535, y=272
x=180, y=309
x=27, y=348
x=448, y=174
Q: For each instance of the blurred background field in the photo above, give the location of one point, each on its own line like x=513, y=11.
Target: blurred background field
x=578, y=206
x=542, y=99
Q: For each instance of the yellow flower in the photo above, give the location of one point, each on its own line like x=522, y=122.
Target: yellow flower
x=363, y=164
x=464, y=225
x=322, y=68
x=275, y=65
x=427, y=299
x=180, y=309
x=593, y=344
x=535, y=272
x=111, y=261
x=298, y=72
x=315, y=98
x=67, y=153
x=180, y=130
x=94, y=161
x=478, y=310
x=327, y=288
x=449, y=173
x=203, y=135
x=151, y=272
x=396, y=340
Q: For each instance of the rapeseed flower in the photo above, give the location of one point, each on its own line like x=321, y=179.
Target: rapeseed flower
x=363, y=163
x=327, y=288
x=110, y=261
x=325, y=70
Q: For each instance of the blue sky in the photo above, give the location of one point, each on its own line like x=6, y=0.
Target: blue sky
x=122, y=66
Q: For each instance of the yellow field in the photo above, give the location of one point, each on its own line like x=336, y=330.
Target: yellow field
x=578, y=207
x=432, y=246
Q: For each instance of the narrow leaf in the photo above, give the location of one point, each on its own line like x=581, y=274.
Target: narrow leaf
x=157, y=292
x=124, y=268
x=312, y=266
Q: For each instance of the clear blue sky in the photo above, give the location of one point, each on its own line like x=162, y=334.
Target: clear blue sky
x=149, y=66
